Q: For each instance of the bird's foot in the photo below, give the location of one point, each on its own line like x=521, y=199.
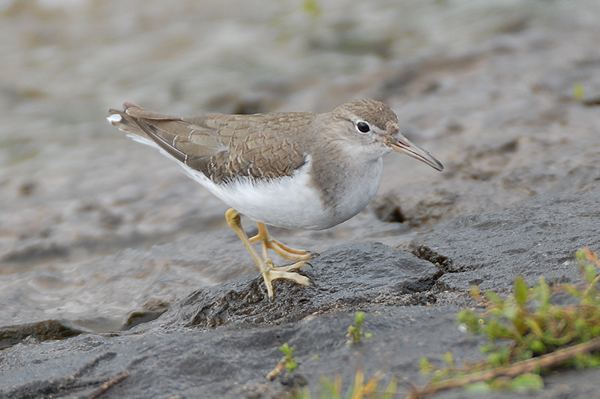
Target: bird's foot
x=267, y=269
x=271, y=273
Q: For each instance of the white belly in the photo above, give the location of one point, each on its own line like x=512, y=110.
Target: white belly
x=288, y=202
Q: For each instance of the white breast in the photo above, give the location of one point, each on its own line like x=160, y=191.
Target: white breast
x=290, y=202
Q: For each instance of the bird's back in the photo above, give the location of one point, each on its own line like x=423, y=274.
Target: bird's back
x=222, y=147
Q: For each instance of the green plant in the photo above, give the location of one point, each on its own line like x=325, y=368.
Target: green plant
x=532, y=323
x=288, y=360
x=578, y=92
x=355, y=332
x=312, y=8
x=527, y=333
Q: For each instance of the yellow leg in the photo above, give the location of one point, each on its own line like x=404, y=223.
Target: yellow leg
x=267, y=269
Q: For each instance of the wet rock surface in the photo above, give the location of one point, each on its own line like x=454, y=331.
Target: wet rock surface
x=536, y=237
x=342, y=278
x=116, y=269
x=224, y=339
x=230, y=362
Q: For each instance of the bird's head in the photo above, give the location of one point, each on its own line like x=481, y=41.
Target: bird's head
x=374, y=124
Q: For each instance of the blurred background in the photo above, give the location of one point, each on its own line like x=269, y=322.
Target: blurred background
x=94, y=226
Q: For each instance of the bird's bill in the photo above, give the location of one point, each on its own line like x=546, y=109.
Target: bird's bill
x=403, y=145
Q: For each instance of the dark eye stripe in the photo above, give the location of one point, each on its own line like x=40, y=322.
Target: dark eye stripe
x=363, y=127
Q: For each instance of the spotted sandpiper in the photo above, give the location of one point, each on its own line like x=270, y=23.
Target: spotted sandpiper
x=297, y=170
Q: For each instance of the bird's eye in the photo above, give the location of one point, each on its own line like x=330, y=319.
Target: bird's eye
x=363, y=127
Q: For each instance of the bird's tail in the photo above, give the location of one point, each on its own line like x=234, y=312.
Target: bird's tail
x=124, y=122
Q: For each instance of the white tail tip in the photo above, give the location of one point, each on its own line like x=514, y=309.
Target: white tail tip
x=114, y=118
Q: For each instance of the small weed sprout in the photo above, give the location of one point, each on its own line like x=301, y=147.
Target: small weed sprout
x=355, y=332
x=288, y=360
x=578, y=92
x=312, y=8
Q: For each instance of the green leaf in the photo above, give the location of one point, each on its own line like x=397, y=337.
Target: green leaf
x=537, y=346
x=579, y=325
x=521, y=291
x=542, y=294
x=425, y=366
x=390, y=391
x=527, y=382
x=590, y=272
x=449, y=358
x=511, y=312
x=291, y=365
x=494, y=298
x=572, y=290
x=474, y=291
x=359, y=317
x=328, y=389
x=496, y=359
x=580, y=254
x=480, y=386
x=285, y=348
x=535, y=327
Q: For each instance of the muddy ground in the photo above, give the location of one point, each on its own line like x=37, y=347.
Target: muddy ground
x=113, y=262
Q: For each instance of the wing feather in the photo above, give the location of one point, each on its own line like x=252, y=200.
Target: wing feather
x=222, y=147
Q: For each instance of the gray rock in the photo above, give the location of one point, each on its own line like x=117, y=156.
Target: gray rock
x=537, y=237
x=347, y=277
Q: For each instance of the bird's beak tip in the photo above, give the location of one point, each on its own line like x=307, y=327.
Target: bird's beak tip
x=406, y=147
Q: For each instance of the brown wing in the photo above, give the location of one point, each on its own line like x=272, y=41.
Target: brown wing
x=223, y=147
